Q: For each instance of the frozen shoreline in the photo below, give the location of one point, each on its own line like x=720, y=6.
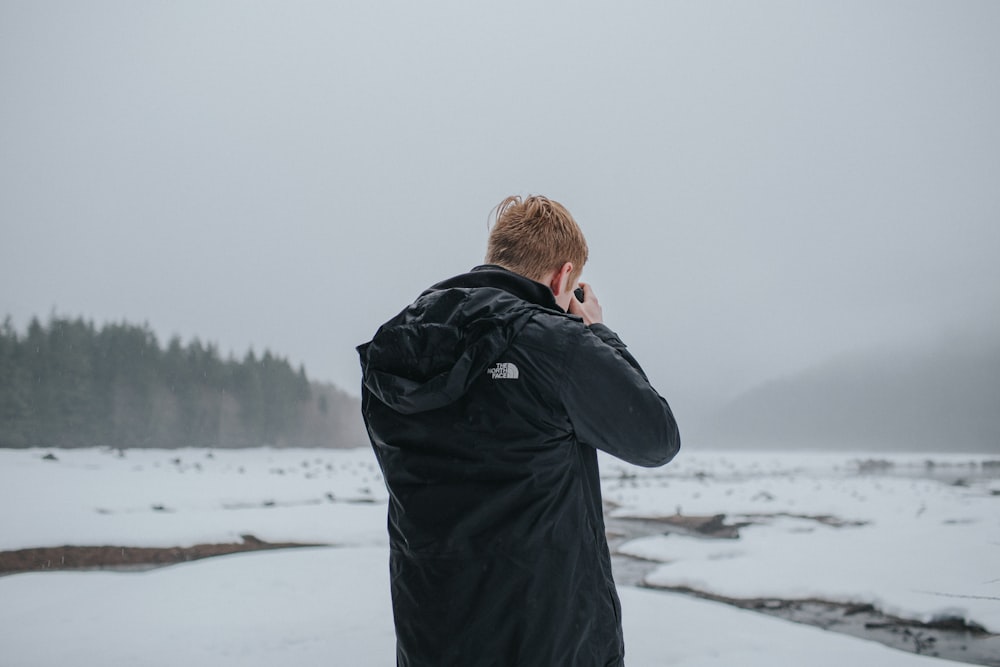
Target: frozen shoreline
x=186, y=497
x=322, y=606
x=827, y=526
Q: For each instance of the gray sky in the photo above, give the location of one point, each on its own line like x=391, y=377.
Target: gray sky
x=762, y=184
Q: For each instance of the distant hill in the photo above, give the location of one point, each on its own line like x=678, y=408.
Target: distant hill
x=936, y=397
x=67, y=383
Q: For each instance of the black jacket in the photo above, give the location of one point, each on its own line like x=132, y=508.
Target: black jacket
x=485, y=404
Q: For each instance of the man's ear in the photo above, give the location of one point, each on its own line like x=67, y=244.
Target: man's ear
x=559, y=281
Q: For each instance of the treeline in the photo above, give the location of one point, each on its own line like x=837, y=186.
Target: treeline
x=67, y=383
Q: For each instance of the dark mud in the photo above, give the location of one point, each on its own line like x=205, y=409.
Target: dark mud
x=949, y=638
x=125, y=558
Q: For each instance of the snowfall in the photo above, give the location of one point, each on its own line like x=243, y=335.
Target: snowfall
x=919, y=538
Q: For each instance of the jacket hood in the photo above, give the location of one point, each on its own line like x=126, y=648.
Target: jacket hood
x=427, y=356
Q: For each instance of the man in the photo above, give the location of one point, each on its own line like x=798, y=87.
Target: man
x=486, y=401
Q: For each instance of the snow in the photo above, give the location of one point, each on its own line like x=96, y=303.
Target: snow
x=313, y=606
x=923, y=548
x=330, y=605
x=93, y=497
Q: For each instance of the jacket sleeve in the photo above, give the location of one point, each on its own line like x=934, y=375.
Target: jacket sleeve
x=611, y=404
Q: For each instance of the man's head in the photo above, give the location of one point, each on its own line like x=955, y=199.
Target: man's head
x=537, y=237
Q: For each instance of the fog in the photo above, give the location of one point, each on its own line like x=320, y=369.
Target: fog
x=764, y=186
x=939, y=396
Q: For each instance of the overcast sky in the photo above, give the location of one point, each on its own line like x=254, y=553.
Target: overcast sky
x=762, y=184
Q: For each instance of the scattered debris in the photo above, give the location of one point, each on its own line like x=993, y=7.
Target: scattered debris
x=875, y=465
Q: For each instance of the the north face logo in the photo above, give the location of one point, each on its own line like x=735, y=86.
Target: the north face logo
x=503, y=371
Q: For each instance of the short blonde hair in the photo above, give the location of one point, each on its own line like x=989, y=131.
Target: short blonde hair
x=534, y=237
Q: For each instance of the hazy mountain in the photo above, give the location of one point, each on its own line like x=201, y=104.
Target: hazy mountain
x=942, y=396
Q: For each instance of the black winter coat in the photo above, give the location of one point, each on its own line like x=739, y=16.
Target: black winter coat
x=485, y=404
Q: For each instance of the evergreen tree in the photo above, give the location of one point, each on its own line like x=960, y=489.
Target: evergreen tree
x=69, y=384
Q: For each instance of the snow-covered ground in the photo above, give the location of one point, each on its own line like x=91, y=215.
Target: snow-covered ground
x=918, y=536
x=926, y=547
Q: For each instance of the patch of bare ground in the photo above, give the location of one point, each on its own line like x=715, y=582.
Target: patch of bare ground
x=825, y=519
x=125, y=558
x=715, y=526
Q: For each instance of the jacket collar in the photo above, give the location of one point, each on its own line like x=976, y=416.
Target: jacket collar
x=491, y=275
